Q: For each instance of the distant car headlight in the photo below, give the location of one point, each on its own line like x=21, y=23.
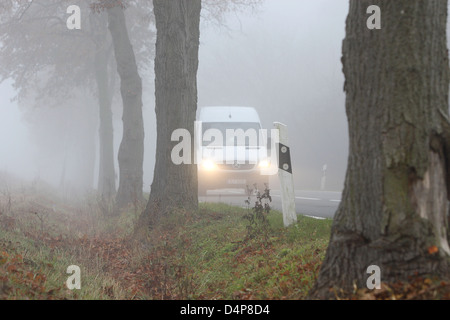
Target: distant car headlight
x=208, y=165
x=264, y=164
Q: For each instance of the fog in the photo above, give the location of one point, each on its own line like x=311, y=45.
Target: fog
x=285, y=61
x=70, y=112
x=282, y=58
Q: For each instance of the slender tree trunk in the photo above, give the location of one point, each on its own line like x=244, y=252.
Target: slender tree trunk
x=394, y=206
x=107, y=176
x=131, y=151
x=90, y=145
x=106, y=180
x=176, y=65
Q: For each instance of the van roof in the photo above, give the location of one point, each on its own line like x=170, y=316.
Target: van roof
x=228, y=114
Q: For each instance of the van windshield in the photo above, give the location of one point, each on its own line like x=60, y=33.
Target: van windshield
x=239, y=134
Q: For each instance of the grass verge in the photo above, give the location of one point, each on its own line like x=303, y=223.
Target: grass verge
x=210, y=256
x=201, y=255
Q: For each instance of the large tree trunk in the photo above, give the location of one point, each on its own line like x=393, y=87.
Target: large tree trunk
x=394, y=205
x=176, y=64
x=131, y=151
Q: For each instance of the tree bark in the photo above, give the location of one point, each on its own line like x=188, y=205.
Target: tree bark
x=107, y=176
x=394, y=206
x=106, y=179
x=131, y=151
x=176, y=65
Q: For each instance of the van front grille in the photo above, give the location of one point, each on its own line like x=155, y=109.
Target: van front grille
x=236, y=166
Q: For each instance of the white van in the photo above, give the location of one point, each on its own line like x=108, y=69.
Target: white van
x=233, y=150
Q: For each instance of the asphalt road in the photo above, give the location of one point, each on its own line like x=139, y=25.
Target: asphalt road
x=320, y=204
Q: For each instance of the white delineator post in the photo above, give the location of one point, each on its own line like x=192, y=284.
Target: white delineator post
x=285, y=176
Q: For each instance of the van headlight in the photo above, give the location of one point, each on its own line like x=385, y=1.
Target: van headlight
x=264, y=164
x=208, y=165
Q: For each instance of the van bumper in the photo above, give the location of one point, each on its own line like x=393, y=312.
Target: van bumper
x=215, y=180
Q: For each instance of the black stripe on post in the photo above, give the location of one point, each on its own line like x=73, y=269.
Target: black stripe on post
x=284, y=158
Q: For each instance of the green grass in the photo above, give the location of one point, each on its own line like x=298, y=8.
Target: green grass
x=32, y=269
x=188, y=255
x=221, y=263
x=35, y=253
